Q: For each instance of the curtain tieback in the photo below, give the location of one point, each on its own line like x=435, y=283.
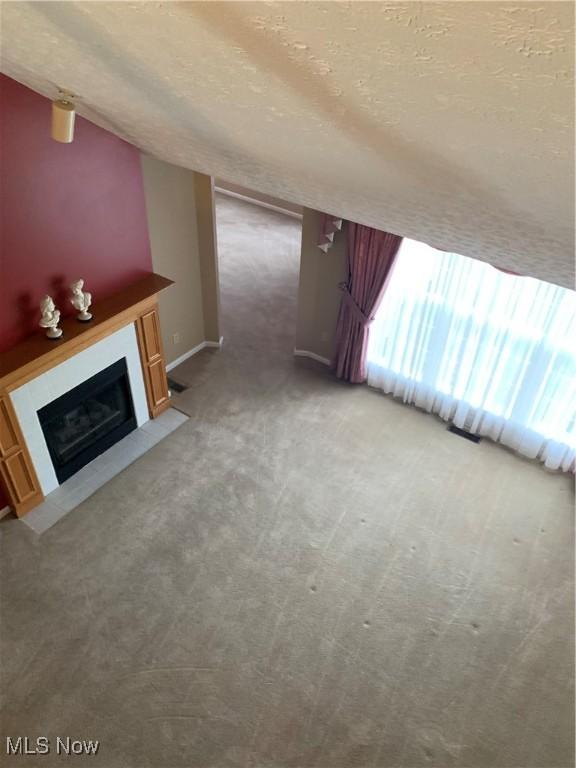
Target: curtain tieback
x=359, y=315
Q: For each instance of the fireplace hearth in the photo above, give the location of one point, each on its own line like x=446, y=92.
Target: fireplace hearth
x=87, y=420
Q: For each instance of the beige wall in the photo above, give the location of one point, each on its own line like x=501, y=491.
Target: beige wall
x=318, y=292
x=208, y=251
x=181, y=226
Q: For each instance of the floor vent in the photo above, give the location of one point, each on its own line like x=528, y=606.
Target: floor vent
x=463, y=433
x=176, y=387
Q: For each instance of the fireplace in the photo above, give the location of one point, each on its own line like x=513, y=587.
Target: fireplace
x=88, y=419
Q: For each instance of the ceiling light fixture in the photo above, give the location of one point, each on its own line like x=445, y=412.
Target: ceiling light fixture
x=63, y=114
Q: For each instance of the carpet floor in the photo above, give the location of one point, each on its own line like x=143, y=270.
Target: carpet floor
x=305, y=574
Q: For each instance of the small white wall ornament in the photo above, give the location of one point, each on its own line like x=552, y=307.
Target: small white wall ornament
x=81, y=301
x=50, y=318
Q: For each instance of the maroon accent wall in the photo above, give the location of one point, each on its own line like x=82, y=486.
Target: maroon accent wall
x=66, y=211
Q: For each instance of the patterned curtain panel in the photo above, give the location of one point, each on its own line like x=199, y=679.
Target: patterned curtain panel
x=370, y=257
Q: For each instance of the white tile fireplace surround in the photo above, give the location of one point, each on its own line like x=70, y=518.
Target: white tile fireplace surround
x=34, y=395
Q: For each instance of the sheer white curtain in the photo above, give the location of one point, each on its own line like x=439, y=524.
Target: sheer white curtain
x=493, y=353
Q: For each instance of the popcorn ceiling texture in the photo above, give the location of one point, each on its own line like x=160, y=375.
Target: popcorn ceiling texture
x=447, y=122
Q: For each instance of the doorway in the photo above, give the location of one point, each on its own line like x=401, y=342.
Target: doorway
x=259, y=243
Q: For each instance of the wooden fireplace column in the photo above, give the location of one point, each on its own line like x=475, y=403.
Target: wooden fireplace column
x=136, y=305
x=153, y=361
x=16, y=468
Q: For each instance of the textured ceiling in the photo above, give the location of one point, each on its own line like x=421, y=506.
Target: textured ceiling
x=451, y=122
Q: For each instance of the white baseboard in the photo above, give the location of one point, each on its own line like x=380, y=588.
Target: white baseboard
x=311, y=355
x=185, y=356
x=4, y=512
x=193, y=351
x=261, y=203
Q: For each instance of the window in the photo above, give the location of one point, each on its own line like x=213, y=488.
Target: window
x=493, y=352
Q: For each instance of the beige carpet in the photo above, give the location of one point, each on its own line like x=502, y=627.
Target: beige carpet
x=304, y=574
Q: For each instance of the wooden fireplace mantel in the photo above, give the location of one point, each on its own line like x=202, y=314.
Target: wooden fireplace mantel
x=136, y=304
x=37, y=353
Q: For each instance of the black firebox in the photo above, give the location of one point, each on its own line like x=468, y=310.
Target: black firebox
x=87, y=420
